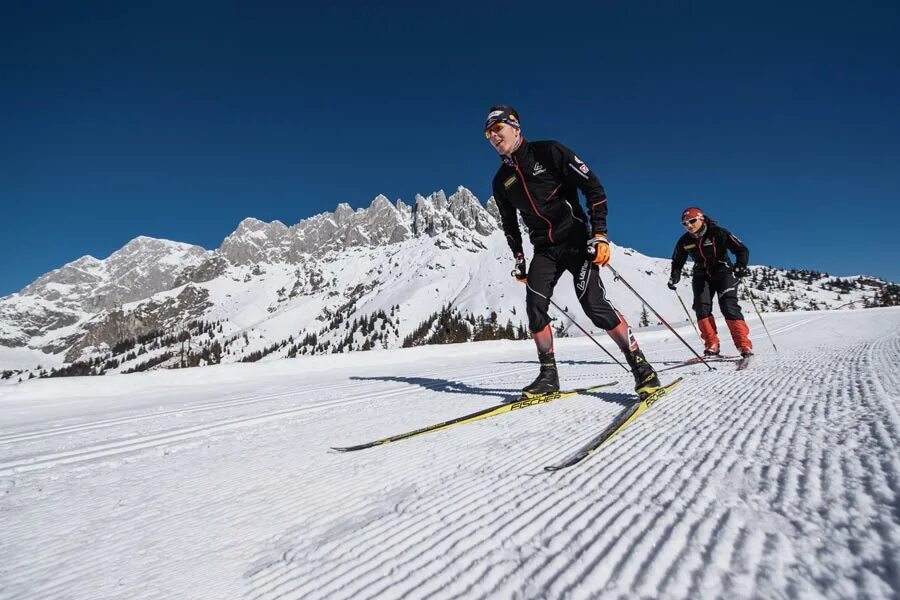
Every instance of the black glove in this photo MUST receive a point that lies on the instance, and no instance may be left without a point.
(674, 279)
(741, 271)
(519, 271)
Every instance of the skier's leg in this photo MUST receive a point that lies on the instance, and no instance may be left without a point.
(703, 310)
(592, 296)
(543, 273)
(727, 288)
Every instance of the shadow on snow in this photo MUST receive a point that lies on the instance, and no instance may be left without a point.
(506, 395)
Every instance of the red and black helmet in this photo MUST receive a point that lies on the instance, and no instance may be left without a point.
(691, 212)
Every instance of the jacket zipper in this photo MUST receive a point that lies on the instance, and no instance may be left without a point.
(700, 248)
(531, 200)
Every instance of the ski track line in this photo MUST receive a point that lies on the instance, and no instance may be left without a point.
(108, 449)
(105, 450)
(795, 324)
(718, 531)
(226, 403)
(78, 428)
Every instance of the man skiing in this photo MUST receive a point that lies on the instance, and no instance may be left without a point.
(540, 180)
(708, 244)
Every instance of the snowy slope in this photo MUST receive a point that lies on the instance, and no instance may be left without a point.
(779, 481)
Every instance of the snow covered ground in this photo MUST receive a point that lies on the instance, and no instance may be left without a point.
(779, 481)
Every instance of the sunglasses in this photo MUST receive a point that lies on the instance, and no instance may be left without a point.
(495, 128)
(690, 221)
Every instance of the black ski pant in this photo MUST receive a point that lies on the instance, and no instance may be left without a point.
(725, 285)
(547, 266)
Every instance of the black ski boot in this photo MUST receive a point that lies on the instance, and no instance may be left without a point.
(547, 381)
(710, 353)
(645, 379)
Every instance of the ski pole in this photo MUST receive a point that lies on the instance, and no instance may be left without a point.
(583, 330)
(659, 316)
(687, 312)
(758, 314)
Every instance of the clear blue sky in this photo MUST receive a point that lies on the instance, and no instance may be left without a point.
(177, 120)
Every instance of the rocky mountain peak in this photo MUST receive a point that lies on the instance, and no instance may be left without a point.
(466, 208)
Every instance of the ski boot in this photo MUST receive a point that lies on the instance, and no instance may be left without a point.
(547, 381)
(712, 352)
(645, 379)
(745, 352)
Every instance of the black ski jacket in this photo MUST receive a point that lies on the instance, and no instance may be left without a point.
(541, 181)
(709, 251)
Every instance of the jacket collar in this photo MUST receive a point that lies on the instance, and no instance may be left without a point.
(700, 232)
(517, 154)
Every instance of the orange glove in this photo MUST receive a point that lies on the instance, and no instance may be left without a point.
(598, 249)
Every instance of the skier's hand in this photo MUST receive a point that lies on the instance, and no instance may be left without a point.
(673, 280)
(519, 271)
(741, 271)
(598, 249)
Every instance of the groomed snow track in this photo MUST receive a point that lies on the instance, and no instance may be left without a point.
(782, 480)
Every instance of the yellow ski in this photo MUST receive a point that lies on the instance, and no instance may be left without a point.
(492, 411)
(624, 419)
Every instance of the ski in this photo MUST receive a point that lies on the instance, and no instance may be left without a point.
(743, 363)
(623, 420)
(491, 411)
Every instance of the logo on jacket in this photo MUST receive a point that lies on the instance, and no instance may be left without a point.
(509, 182)
(708, 242)
(538, 168)
(581, 166)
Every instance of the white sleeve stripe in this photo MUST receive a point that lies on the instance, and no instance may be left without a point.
(577, 170)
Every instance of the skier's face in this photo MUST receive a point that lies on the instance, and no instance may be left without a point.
(503, 137)
(693, 225)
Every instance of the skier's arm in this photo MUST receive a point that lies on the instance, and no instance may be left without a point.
(509, 219)
(679, 257)
(741, 252)
(576, 173)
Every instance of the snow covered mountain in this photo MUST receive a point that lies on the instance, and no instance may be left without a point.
(380, 277)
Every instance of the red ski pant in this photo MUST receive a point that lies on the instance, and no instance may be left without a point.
(725, 286)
